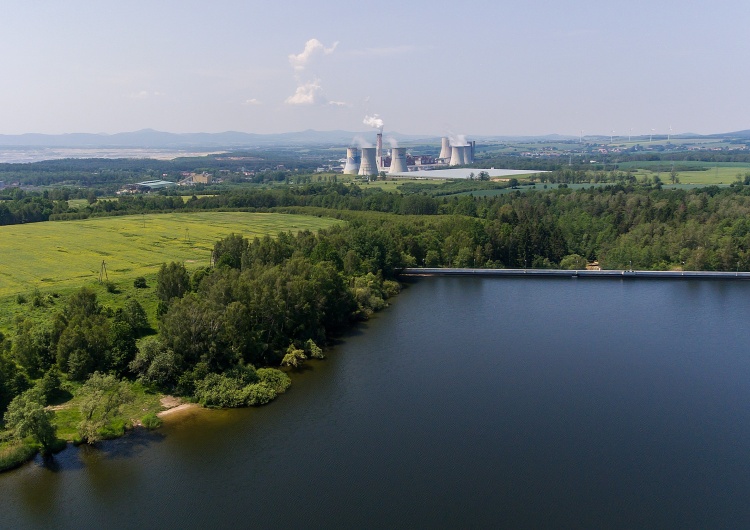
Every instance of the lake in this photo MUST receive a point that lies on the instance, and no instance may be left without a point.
(470, 402)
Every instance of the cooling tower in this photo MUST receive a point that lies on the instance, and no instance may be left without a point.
(457, 155)
(445, 150)
(398, 160)
(468, 158)
(352, 161)
(369, 165)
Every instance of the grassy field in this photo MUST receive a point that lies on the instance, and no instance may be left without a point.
(691, 172)
(59, 255)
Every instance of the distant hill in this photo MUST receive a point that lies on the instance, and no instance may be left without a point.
(149, 138)
(736, 134)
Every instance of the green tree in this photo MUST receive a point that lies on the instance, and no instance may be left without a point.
(294, 357)
(102, 397)
(26, 416)
(172, 281)
(228, 251)
(134, 315)
(573, 262)
(82, 303)
(12, 381)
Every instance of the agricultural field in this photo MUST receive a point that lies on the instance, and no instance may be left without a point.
(68, 254)
(690, 172)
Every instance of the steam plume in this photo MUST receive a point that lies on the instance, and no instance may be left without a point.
(373, 121)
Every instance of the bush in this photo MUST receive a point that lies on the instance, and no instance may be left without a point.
(114, 429)
(21, 299)
(241, 386)
(151, 421)
(258, 394)
(140, 283)
(274, 379)
(37, 300)
(219, 390)
(111, 287)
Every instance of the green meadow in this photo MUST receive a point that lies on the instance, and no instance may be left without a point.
(690, 172)
(67, 254)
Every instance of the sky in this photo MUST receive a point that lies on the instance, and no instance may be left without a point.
(497, 67)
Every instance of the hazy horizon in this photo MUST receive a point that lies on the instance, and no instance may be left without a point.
(481, 68)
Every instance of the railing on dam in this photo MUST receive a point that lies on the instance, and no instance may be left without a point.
(555, 273)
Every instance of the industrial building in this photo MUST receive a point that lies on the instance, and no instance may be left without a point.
(369, 161)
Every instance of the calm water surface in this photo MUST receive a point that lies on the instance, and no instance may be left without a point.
(469, 403)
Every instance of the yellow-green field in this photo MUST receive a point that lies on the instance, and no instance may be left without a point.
(62, 255)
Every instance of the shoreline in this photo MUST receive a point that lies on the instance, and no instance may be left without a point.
(178, 408)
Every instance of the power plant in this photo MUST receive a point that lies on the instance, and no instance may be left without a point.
(369, 165)
(352, 161)
(373, 161)
(445, 149)
(462, 155)
(398, 160)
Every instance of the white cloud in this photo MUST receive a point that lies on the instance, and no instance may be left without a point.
(252, 101)
(312, 47)
(310, 93)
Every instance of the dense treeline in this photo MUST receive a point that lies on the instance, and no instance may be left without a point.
(619, 224)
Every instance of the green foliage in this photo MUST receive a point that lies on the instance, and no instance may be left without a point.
(140, 283)
(26, 416)
(155, 365)
(83, 346)
(294, 357)
(15, 453)
(101, 399)
(274, 379)
(12, 381)
(172, 282)
(81, 304)
(241, 386)
(31, 348)
(134, 315)
(313, 350)
(228, 251)
(371, 292)
(258, 394)
(50, 386)
(151, 421)
(573, 262)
